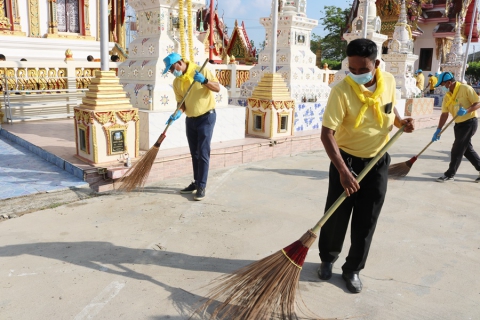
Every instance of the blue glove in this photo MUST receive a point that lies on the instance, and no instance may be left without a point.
(436, 135)
(174, 116)
(461, 112)
(199, 77)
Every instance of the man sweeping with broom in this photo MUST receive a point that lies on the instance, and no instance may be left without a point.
(359, 116)
(462, 102)
(199, 107)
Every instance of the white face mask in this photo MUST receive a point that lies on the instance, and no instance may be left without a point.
(361, 78)
(443, 89)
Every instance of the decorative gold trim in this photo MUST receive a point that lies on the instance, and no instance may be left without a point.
(69, 36)
(52, 17)
(86, 14)
(137, 138)
(129, 115)
(4, 21)
(33, 21)
(105, 117)
(95, 144)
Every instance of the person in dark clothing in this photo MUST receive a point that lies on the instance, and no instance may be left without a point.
(358, 118)
(462, 101)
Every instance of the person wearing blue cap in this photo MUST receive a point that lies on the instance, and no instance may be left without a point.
(199, 108)
(462, 101)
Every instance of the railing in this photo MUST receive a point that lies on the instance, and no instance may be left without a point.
(232, 73)
(42, 86)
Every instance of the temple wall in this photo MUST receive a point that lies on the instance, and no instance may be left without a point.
(427, 41)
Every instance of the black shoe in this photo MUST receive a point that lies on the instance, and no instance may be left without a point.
(445, 179)
(190, 189)
(200, 194)
(354, 285)
(325, 270)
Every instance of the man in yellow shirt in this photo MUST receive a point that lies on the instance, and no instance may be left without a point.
(432, 81)
(420, 80)
(199, 107)
(462, 101)
(358, 118)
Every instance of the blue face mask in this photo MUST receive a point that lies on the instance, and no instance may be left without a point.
(443, 89)
(361, 78)
(177, 73)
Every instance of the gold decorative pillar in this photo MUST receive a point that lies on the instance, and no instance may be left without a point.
(17, 27)
(52, 17)
(33, 13)
(86, 14)
(4, 21)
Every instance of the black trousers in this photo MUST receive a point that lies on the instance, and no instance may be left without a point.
(364, 207)
(462, 146)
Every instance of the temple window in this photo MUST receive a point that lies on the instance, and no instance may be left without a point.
(68, 16)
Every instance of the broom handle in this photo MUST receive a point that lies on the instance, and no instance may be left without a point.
(362, 174)
(444, 128)
(162, 136)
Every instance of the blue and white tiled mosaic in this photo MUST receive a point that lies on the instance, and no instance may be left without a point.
(309, 116)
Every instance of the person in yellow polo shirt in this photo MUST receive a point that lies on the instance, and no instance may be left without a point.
(199, 107)
(359, 115)
(432, 81)
(462, 101)
(420, 80)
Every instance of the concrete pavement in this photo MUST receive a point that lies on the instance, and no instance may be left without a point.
(148, 255)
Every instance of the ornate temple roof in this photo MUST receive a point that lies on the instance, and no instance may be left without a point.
(441, 12)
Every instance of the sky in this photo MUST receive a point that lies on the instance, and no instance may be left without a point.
(250, 11)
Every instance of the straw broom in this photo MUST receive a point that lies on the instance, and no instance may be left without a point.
(137, 175)
(399, 170)
(267, 288)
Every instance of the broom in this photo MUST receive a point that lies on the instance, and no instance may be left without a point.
(267, 288)
(137, 175)
(399, 170)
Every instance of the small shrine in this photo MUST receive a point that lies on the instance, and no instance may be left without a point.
(374, 26)
(106, 124)
(456, 57)
(400, 60)
(270, 108)
(295, 63)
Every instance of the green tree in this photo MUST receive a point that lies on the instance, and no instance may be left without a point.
(473, 71)
(334, 21)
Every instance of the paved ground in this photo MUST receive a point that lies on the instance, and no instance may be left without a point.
(148, 255)
(24, 173)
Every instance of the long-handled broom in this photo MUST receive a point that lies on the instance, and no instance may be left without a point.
(137, 175)
(399, 170)
(267, 288)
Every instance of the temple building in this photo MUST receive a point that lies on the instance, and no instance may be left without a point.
(432, 25)
(34, 29)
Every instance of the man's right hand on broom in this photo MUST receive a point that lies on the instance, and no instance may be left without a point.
(177, 114)
(436, 135)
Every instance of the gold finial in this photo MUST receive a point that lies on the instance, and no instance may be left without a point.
(68, 54)
(325, 66)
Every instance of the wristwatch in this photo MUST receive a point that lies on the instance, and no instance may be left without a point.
(205, 82)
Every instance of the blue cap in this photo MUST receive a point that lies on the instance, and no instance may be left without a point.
(430, 74)
(170, 60)
(444, 76)
(419, 70)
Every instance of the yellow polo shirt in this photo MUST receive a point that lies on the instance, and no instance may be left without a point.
(420, 81)
(200, 99)
(432, 81)
(466, 96)
(341, 112)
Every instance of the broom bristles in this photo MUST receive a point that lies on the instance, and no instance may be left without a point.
(400, 170)
(137, 175)
(263, 289)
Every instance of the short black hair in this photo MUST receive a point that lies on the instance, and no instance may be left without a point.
(115, 58)
(364, 48)
(90, 58)
(2, 57)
